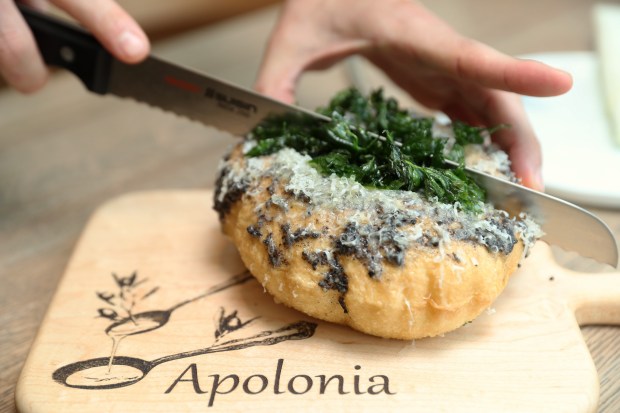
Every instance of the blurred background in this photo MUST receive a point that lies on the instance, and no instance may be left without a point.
(513, 27)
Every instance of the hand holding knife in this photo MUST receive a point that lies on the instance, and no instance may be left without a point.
(228, 107)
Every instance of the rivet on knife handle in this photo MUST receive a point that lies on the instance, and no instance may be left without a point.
(70, 48)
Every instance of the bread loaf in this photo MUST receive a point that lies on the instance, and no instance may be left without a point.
(391, 263)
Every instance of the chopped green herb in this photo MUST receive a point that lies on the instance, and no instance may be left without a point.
(378, 144)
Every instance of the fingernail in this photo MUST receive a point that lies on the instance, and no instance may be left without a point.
(131, 45)
(537, 180)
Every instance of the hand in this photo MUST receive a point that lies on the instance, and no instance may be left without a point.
(438, 67)
(20, 62)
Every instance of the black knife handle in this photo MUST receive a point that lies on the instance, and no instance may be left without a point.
(70, 47)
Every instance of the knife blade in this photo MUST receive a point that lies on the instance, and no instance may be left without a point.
(176, 89)
(237, 110)
(565, 225)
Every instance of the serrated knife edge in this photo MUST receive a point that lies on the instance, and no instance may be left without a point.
(228, 107)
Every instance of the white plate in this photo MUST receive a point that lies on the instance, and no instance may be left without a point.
(581, 160)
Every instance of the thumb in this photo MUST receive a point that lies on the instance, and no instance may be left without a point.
(519, 140)
(279, 72)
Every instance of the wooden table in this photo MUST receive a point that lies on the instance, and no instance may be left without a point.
(63, 152)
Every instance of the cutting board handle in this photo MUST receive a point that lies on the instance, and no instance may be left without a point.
(594, 298)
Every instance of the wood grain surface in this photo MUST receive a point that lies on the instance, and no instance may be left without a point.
(156, 313)
(64, 152)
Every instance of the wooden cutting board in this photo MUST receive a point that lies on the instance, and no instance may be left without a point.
(154, 283)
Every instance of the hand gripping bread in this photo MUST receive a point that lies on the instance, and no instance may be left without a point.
(390, 263)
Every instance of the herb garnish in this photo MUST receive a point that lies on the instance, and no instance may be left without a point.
(380, 145)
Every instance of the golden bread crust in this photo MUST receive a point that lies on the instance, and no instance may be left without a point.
(435, 289)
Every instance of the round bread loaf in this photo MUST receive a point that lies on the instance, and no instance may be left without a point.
(389, 263)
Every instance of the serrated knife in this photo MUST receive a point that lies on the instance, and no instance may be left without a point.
(237, 110)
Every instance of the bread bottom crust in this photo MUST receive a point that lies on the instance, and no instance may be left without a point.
(435, 290)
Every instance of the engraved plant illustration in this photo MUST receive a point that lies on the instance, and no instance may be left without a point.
(125, 300)
(121, 309)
